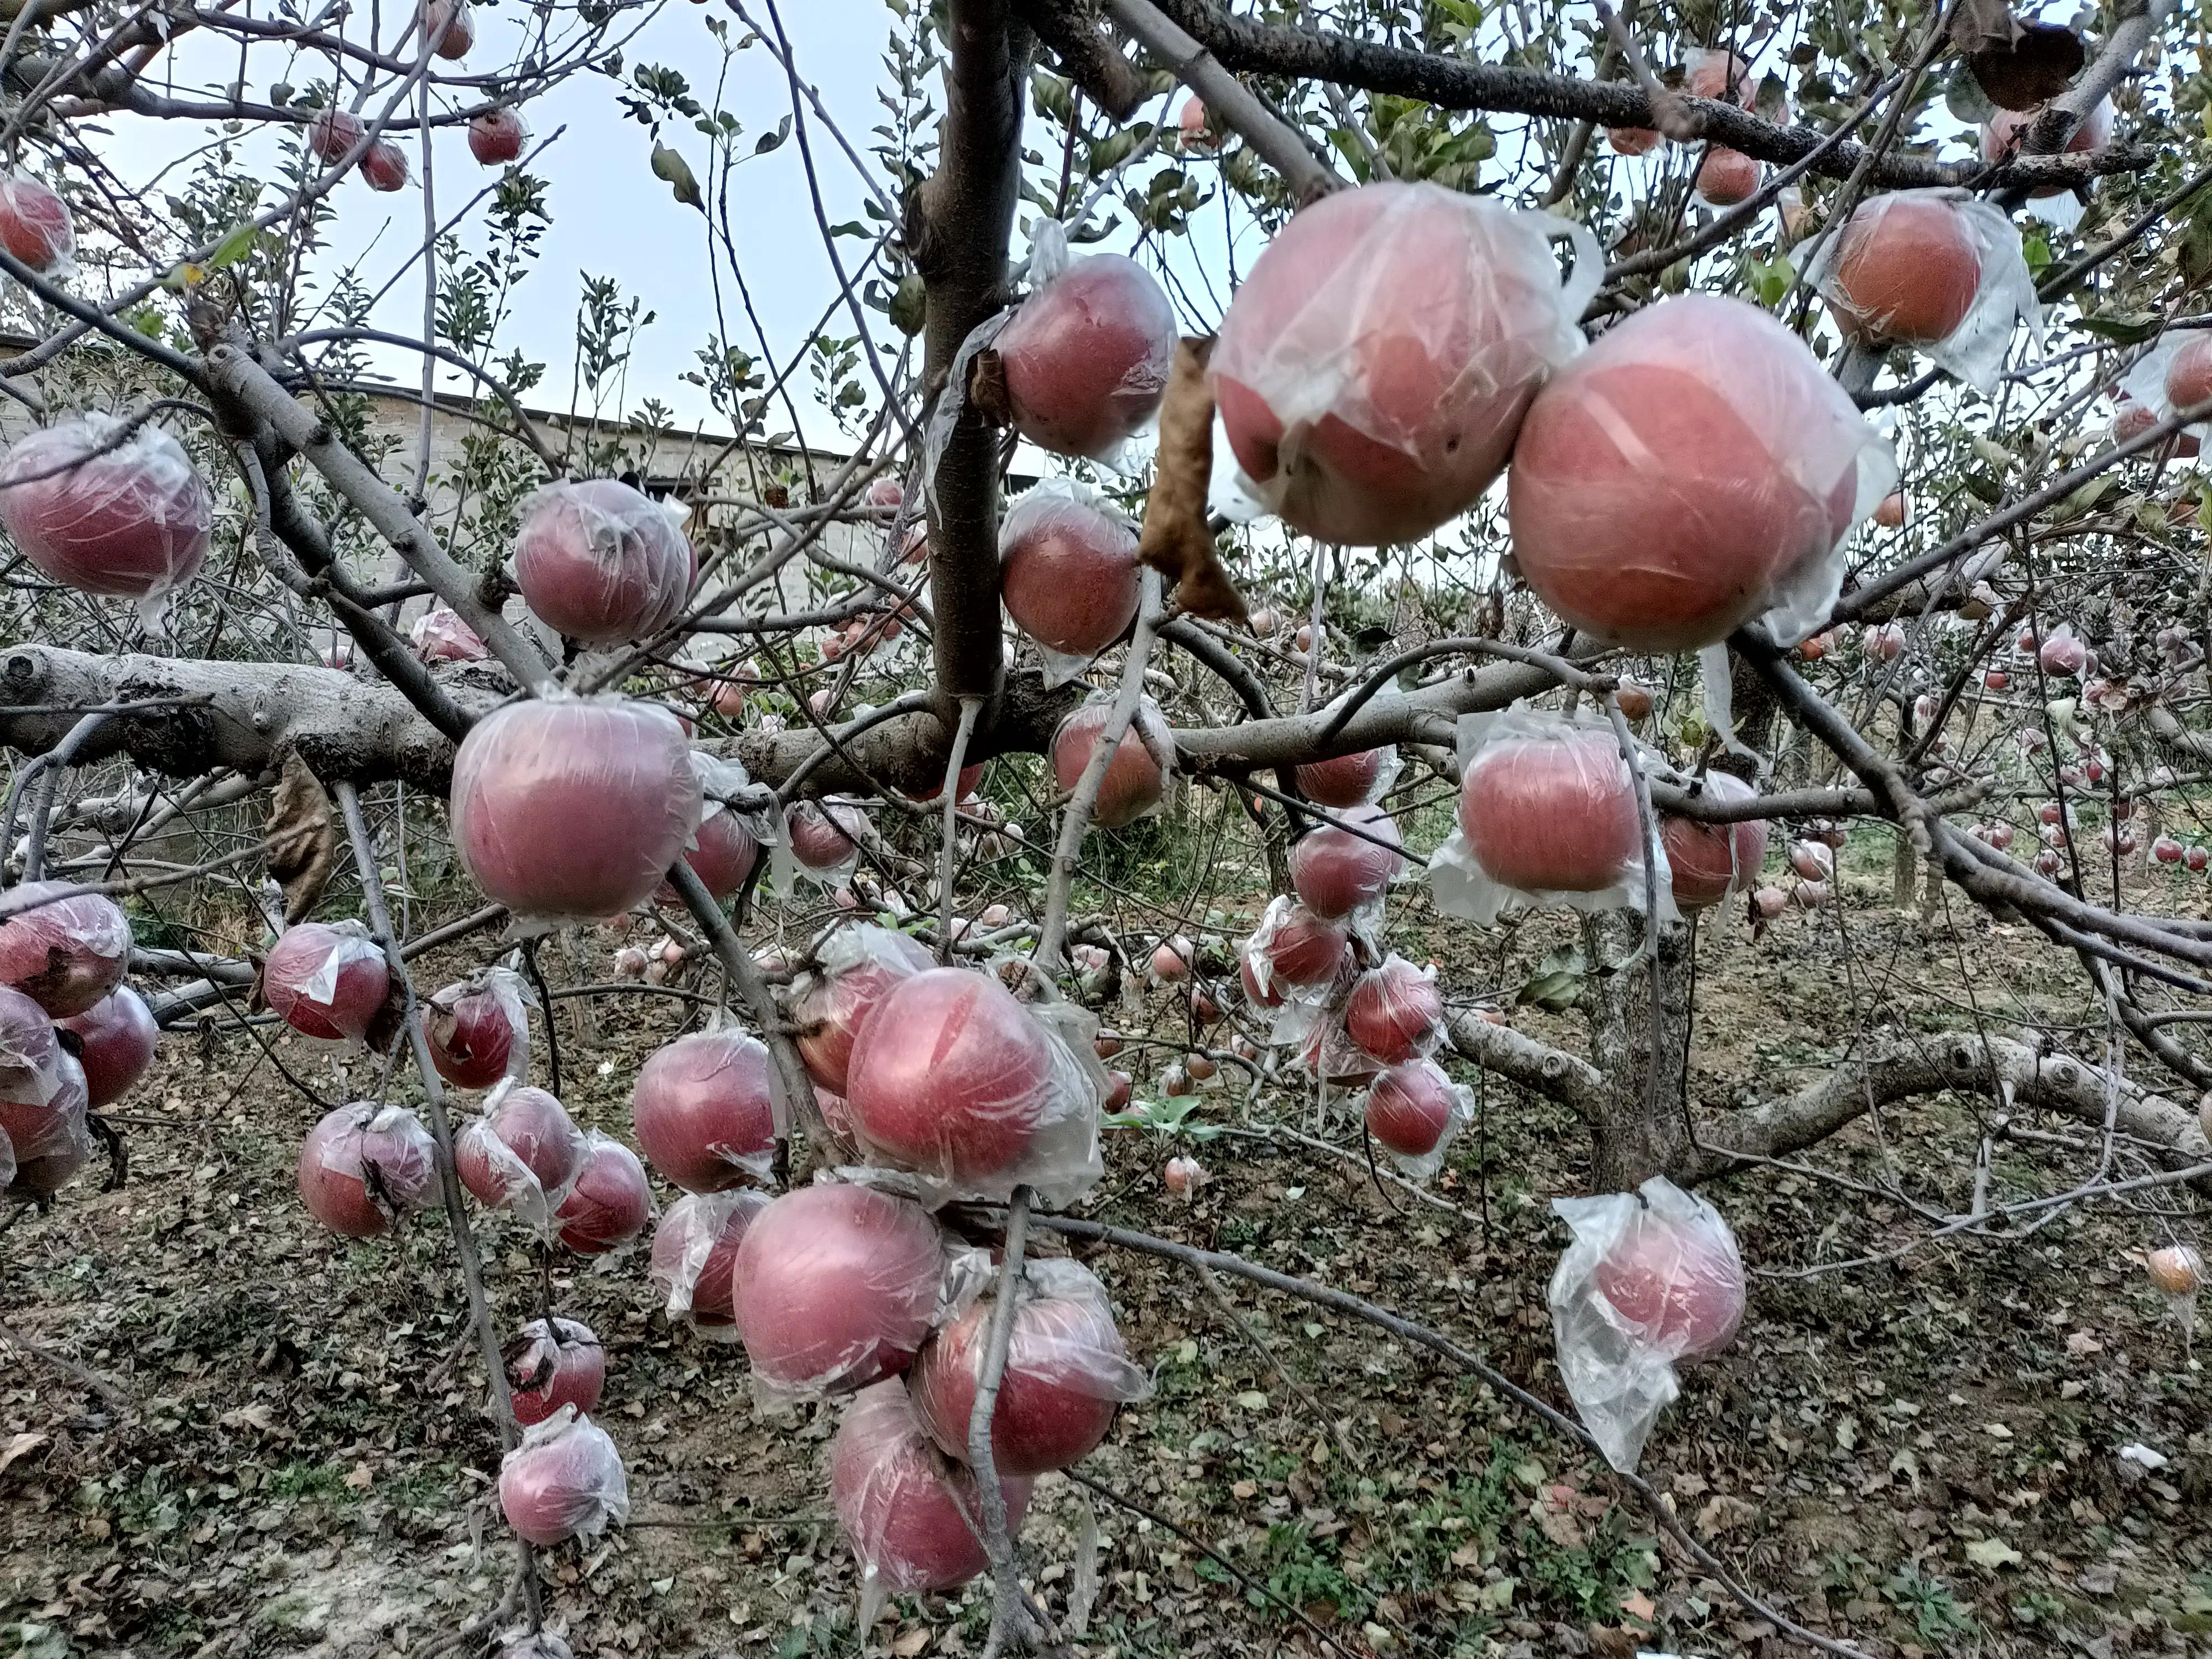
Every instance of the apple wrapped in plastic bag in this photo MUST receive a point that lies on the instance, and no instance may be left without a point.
(1651, 1283)
(1548, 820)
(1940, 270)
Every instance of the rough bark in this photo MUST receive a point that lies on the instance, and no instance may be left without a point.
(958, 226)
(1641, 1125)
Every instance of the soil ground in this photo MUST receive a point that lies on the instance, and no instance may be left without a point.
(224, 1433)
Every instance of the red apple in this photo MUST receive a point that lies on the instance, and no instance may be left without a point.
(723, 857)
(1086, 357)
(836, 1286)
(824, 836)
(695, 1256)
(951, 1077)
(326, 982)
(1727, 177)
(573, 808)
(1067, 570)
(1183, 1176)
(35, 225)
(1172, 957)
(524, 1137)
(1066, 1371)
(2166, 850)
(477, 1032)
(609, 1203)
(42, 1104)
(130, 523)
(450, 26)
(1394, 1012)
(1631, 141)
(1345, 781)
(1117, 1099)
(1885, 643)
(1889, 511)
(704, 1109)
(385, 166)
(1295, 947)
(497, 136)
(1191, 123)
(1679, 1285)
(1336, 873)
(1908, 265)
(439, 636)
(1133, 784)
(1376, 363)
(1708, 862)
(1550, 814)
(364, 1165)
(119, 1036)
(552, 1366)
(1670, 482)
(1410, 1108)
(600, 561)
(565, 1480)
(860, 967)
(65, 949)
(30, 1054)
(1270, 996)
(2062, 653)
(907, 1529)
(333, 133)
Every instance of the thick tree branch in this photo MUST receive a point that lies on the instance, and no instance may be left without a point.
(1536, 1067)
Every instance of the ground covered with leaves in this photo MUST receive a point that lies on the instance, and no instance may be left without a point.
(223, 1431)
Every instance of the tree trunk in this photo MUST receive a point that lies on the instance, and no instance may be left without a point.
(1903, 873)
(1638, 1123)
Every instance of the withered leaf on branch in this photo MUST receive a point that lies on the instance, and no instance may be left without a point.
(303, 839)
(2032, 68)
(1978, 25)
(1177, 541)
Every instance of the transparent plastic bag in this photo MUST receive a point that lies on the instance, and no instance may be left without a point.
(707, 1110)
(327, 980)
(38, 229)
(1414, 1113)
(551, 1363)
(910, 1530)
(129, 519)
(1350, 780)
(1067, 1369)
(478, 1029)
(860, 964)
(1695, 468)
(1394, 1012)
(2144, 385)
(1548, 818)
(63, 948)
(973, 1093)
(1068, 574)
(1375, 365)
(1339, 873)
(1295, 955)
(695, 1257)
(1708, 862)
(441, 635)
(837, 1284)
(569, 809)
(1086, 355)
(2057, 205)
(599, 562)
(1136, 781)
(30, 1053)
(1325, 1049)
(565, 1480)
(524, 1154)
(366, 1165)
(1652, 1282)
(48, 1136)
(1940, 271)
(7, 1160)
(823, 839)
(737, 819)
(609, 1202)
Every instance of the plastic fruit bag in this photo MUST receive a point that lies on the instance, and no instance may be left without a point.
(2057, 205)
(695, 1256)
(478, 1029)
(821, 839)
(860, 964)
(1086, 355)
(1339, 872)
(1695, 468)
(1940, 271)
(63, 948)
(1707, 862)
(1652, 1282)
(126, 517)
(599, 562)
(1394, 1012)
(1374, 367)
(1295, 955)
(1136, 780)
(913, 1521)
(2147, 387)
(364, 1166)
(1414, 1113)
(439, 636)
(707, 1110)
(1067, 1369)
(1068, 574)
(565, 1480)
(1548, 817)
(49, 1141)
(973, 1093)
(524, 1154)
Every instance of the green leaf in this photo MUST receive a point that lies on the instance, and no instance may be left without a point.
(2124, 329)
(669, 164)
(234, 247)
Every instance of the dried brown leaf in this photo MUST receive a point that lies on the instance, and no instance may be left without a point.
(303, 840)
(1178, 541)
